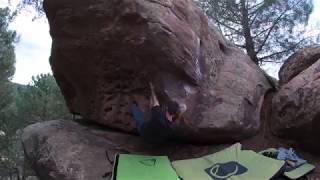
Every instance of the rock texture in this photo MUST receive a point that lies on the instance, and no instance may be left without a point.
(296, 109)
(298, 62)
(104, 53)
(65, 150)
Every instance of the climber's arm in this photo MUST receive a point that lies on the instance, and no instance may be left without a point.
(154, 99)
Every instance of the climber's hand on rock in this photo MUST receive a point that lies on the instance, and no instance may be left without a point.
(151, 86)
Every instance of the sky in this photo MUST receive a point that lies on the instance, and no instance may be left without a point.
(313, 29)
(33, 49)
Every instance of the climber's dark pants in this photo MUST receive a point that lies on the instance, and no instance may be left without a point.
(137, 116)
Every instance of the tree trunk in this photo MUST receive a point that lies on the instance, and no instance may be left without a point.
(247, 33)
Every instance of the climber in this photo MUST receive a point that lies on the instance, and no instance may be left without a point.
(163, 120)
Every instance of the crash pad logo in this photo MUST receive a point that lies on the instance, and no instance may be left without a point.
(148, 162)
(223, 171)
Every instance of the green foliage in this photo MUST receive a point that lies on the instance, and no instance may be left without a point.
(36, 4)
(42, 100)
(5, 95)
(7, 57)
(21, 105)
(269, 30)
(7, 38)
(7, 61)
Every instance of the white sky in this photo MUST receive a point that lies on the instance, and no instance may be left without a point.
(33, 49)
(313, 29)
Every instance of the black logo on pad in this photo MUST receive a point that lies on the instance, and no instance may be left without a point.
(223, 171)
(148, 162)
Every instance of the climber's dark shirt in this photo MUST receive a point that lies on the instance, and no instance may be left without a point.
(159, 128)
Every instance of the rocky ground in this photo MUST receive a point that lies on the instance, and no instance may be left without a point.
(65, 149)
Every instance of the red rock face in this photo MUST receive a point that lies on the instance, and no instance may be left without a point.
(104, 53)
(298, 62)
(296, 109)
(64, 149)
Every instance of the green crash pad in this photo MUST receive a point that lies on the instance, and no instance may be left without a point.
(300, 171)
(140, 167)
(232, 163)
(294, 173)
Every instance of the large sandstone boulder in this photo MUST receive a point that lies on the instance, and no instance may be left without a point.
(296, 109)
(104, 53)
(65, 150)
(298, 62)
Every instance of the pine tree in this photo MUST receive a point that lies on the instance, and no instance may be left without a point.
(7, 57)
(269, 30)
